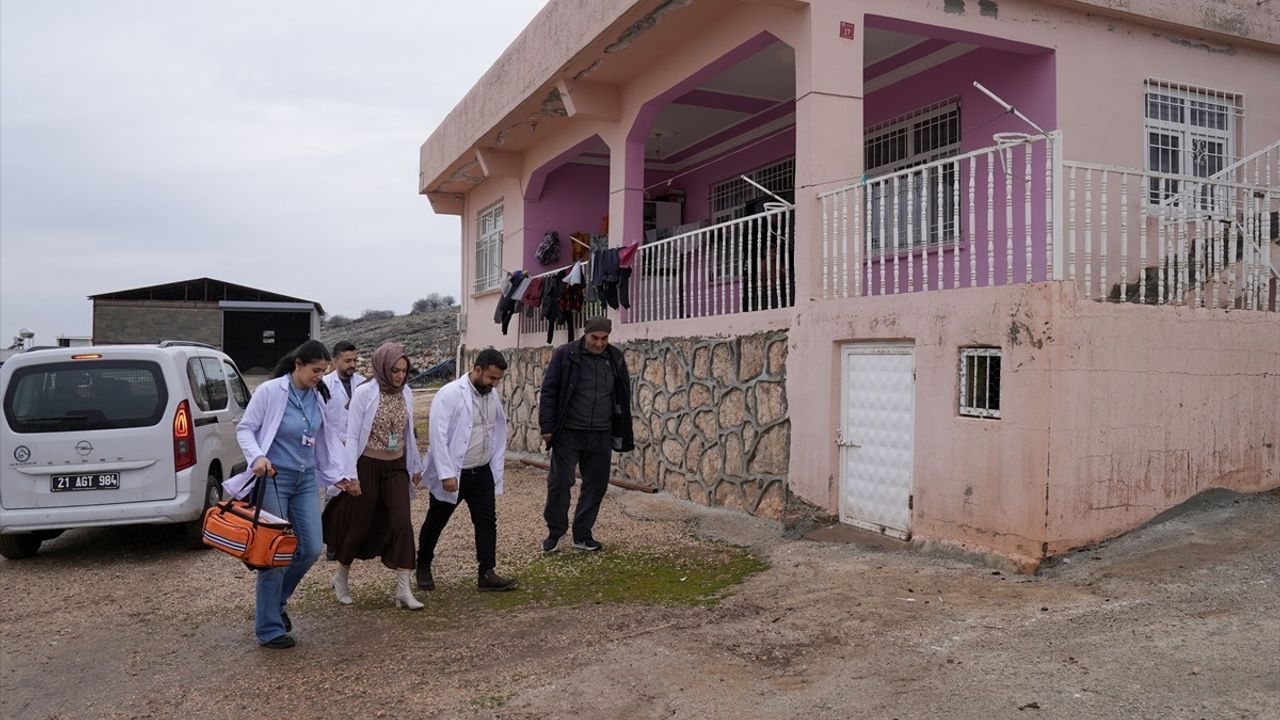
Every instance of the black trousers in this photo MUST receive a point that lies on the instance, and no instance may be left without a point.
(590, 452)
(475, 487)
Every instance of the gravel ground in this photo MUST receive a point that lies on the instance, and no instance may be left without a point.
(1178, 620)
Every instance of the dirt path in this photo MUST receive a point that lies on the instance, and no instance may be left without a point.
(1179, 620)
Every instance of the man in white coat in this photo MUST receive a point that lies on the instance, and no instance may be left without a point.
(465, 462)
(343, 379)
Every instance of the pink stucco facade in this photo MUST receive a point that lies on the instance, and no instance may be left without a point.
(1114, 412)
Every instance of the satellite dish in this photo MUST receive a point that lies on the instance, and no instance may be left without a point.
(25, 334)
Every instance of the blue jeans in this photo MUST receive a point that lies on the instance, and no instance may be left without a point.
(293, 496)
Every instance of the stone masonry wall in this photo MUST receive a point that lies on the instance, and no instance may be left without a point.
(711, 417)
(150, 322)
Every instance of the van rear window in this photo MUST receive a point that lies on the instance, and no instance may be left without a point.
(85, 395)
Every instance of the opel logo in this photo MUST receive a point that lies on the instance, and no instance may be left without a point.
(22, 453)
(84, 447)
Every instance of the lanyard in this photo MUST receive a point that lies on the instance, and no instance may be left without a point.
(301, 401)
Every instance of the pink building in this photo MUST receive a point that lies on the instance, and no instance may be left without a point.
(865, 290)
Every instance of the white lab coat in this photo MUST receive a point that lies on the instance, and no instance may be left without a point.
(257, 430)
(338, 392)
(450, 435)
(364, 405)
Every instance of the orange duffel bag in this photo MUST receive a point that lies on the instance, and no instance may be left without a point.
(241, 529)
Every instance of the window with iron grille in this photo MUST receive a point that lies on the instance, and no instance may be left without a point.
(726, 197)
(980, 382)
(489, 247)
(920, 137)
(1189, 131)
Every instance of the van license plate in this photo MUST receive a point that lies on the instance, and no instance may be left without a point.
(86, 481)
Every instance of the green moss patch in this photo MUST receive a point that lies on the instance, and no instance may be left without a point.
(692, 576)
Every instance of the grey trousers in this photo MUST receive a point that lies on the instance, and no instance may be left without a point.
(590, 453)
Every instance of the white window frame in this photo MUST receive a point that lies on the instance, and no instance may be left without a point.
(925, 204)
(974, 403)
(489, 247)
(1186, 158)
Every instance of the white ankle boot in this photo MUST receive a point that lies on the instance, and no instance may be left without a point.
(340, 589)
(404, 596)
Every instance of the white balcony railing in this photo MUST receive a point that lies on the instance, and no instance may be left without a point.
(733, 267)
(1161, 239)
(979, 219)
(1017, 212)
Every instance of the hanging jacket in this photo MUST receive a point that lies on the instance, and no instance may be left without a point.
(507, 302)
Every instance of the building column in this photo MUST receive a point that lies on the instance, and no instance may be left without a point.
(829, 132)
(829, 137)
(626, 188)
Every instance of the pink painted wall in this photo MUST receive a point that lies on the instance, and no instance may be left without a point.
(1152, 405)
(1110, 414)
(575, 198)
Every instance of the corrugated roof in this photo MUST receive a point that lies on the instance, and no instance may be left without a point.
(202, 290)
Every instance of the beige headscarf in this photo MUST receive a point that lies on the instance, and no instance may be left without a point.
(384, 358)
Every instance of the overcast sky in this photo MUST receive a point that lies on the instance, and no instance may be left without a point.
(271, 144)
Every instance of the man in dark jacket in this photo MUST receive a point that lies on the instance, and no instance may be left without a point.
(584, 415)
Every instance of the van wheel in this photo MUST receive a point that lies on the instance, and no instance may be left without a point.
(195, 529)
(17, 547)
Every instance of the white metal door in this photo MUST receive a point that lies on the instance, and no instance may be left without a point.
(877, 418)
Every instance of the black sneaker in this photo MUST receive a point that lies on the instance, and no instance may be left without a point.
(493, 582)
(549, 545)
(590, 545)
(280, 642)
(425, 581)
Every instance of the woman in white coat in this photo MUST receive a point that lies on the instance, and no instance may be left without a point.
(370, 516)
(291, 443)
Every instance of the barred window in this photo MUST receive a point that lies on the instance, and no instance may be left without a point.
(729, 195)
(489, 247)
(917, 138)
(980, 382)
(1189, 131)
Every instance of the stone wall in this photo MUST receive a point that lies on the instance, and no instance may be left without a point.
(711, 417)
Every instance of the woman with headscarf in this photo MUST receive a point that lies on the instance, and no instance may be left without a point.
(369, 517)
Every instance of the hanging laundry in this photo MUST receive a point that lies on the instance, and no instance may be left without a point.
(532, 297)
(506, 302)
(555, 307)
(548, 250)
(575, 276)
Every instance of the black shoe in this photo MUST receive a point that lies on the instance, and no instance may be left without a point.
(493, 582)
(425, 581)
(589, 545)
(288, 624)
(280, 642)
(549, 545)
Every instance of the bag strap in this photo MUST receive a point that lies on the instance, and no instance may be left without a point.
(259, 492)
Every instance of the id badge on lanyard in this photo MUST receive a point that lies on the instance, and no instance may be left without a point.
(393, 442)
(308, 440)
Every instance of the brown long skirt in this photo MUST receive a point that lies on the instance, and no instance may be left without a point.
(376, 522)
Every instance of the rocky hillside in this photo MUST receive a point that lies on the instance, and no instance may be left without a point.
(429, 337)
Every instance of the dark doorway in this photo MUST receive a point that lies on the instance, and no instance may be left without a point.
(256, 340)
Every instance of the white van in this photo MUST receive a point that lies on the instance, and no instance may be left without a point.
(115, 435)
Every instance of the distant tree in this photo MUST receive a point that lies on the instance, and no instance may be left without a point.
(377, 314)
(434, 301)
(337, 321)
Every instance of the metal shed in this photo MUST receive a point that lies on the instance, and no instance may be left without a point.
(255, 327)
